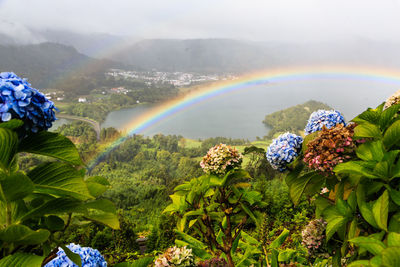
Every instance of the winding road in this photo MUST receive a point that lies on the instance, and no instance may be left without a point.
(93, 123)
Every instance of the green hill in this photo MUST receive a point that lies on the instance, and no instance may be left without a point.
(292, 119)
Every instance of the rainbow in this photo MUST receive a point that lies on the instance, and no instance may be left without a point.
(191, 98)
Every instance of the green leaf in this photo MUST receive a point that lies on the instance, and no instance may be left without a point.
(8, 147)
(142, 262)
(367, 130)
(387, 116)
(380, 210)
(12, 124)
(235, 176)
(97, 185)
(394, 223)
(51, 207)
(391, 257)
(360, 263)
(298, 186)
(373, 245)
(365, 209)
(393, 239)
(333, 225)
(279, 240)
(109, 219)
(394, 195)
(21, 260)
(14, 187)
(193, 242)
(59, 179)
(354, 167)
(370, 115)
(52, 145)
(371, 151)
(75, 258)
(54, 223)
(392, 135)
(100, 204)
(21, 234)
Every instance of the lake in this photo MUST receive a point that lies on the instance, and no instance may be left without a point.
(239, 114)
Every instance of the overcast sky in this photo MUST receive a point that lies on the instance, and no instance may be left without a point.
(258, 20)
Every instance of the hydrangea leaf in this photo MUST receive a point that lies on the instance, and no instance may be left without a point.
(391, 256)
(392, 135)
(298, 186)
(15, 187)
(59, 179)
(52, 145)
(373, 245)
(21, 234)
(387, 116)
(74, 257)
(8, 147)
(12, 124)
(380, 210)
(22, 260)
(371, 151)
(367, 130)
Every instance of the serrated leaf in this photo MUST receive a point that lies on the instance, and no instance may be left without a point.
(52, 145)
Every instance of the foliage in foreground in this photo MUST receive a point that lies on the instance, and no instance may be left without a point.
(360, 202)
(36, 206)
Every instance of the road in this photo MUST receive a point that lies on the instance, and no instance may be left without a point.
(93, 123)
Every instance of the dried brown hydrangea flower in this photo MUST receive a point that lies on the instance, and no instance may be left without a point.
(330, 147)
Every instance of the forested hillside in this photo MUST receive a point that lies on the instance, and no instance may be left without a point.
(292, 119)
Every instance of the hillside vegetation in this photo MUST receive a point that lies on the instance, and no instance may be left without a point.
(292, 119)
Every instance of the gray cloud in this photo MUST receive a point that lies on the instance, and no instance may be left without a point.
(259, 20)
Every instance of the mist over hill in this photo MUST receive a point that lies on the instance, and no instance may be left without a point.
(46, 64)
(226, 55)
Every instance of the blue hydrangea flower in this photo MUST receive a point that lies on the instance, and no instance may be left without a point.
(90, 257)
(18, 100)
(283, 150)
(320, 118)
